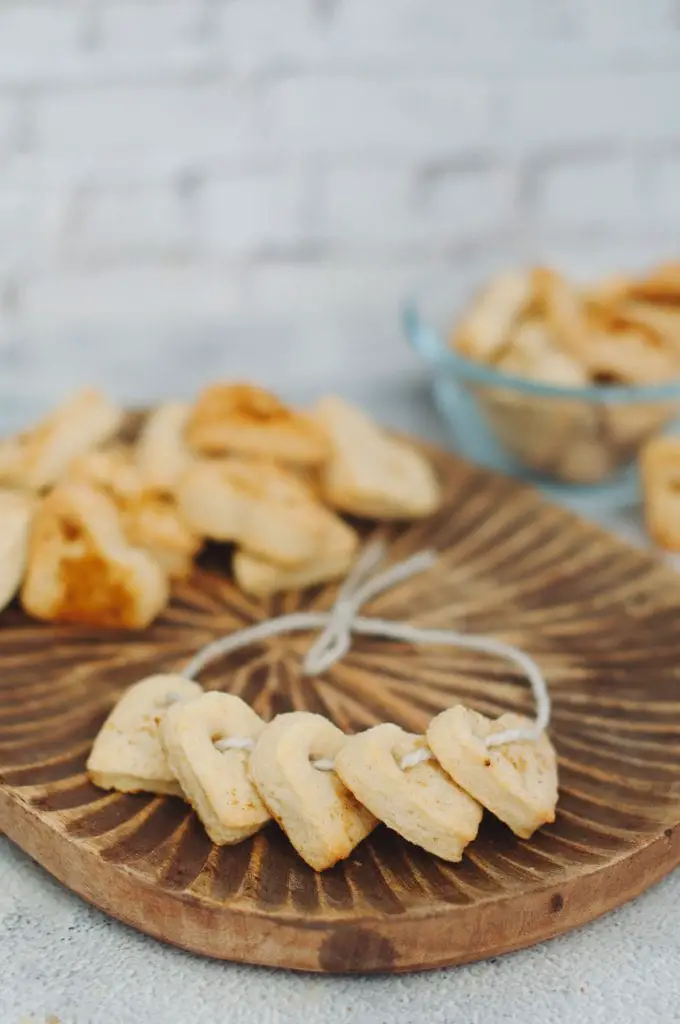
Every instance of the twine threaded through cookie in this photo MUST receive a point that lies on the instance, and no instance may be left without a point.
(343, 620)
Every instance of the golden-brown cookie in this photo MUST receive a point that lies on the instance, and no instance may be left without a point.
(264, 508)
(565, 314)
(81, 567)
(662, 285)
(423, 804)
(662, 321)
(369, 473)
(626, 354)
(149, 517)
(127, 754)
(517, 781)
(482, 333)
(112, 470)
(38, 457)
(155, 524)
(320, 816)
(214, 779)
(243, 419)
(533, 353)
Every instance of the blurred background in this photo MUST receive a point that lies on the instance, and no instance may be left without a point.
(252, 187)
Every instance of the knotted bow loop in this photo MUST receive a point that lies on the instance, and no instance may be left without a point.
(358, 589)
(338, 625)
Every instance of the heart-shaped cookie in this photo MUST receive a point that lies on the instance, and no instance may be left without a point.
(516, 781)
(149, 516)
(214, 776)
(320, 816)
(269, 511)
(40, 456)
(127, 754)
(155, 525)
(423, 804)
(243, 419)
(82, 568)
(369, 473)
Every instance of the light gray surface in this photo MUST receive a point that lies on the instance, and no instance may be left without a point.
(60, 957)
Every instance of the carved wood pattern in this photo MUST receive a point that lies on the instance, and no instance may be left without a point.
(601, 620)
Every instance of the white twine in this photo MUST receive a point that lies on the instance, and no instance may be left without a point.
(235, 743)
(343, 620)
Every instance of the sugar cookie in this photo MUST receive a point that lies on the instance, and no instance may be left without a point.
(267, 510)
(320, 816)
(370, 473)
(483, 331)
(215, 781)
(423, 804)
(517, 781)
(38, 457)
(82, 568)
(245, 419)
(127, 754)
(155, 524)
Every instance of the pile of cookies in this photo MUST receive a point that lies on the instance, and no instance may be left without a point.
(326, 790)
(537, 325)
(95, 528)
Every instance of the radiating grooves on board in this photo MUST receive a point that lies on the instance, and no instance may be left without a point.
(601, 621)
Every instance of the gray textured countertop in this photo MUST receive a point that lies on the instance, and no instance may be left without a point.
(61, 959)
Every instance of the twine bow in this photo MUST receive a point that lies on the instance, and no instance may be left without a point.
(343, 620)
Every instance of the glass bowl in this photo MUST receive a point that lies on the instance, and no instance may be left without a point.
(580, 444)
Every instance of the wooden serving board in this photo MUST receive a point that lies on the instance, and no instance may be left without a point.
(601, 620)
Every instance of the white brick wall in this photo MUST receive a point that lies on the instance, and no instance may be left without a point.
(386, 210)
(189, 186)
(589, 191)
(254, 213)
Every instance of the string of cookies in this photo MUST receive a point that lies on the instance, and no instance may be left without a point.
(96, 529)
(327, 790)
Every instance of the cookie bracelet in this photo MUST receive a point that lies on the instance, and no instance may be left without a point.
(325, 789)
